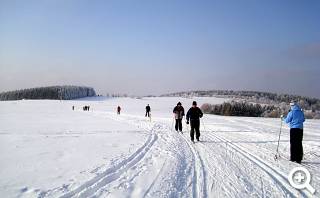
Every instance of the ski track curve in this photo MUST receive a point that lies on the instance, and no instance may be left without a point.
(200, 182)
(185, 169)
(197, 171)
(277, 176)
(92, 186)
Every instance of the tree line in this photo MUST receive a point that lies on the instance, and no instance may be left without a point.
(311, 105)
(253, 95)
(247, 109)
(66, 92)
(242, 109)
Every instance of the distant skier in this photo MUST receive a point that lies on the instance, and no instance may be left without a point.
(88, 108)
(72, 108)
(194, 114)
(295, 118)
(118, 110)
(178, 114)
(148, 110)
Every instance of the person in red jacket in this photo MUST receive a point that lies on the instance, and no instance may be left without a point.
(118, 110)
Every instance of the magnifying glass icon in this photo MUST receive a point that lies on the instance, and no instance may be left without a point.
(300, 178)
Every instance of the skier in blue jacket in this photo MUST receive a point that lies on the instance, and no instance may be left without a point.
(295, 119)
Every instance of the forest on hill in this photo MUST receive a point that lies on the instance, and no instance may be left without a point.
(66, 92)
(254, 103)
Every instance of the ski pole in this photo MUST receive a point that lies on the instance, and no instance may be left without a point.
(204, 128)
(172, 123)
(187, 128)
(277, 152)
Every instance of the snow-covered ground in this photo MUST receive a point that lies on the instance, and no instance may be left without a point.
(48, 150)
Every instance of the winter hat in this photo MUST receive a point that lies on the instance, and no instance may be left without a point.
(293, 102)
(179, 103)
(194, 103)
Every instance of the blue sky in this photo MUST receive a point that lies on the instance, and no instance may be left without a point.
(154, 47)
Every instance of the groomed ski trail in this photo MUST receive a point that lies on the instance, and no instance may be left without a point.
(200, 183)
(186, 169)
(280, 178)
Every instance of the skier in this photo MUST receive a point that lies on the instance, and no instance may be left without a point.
(72, 108)
(194, 114)
(295, 119)
(178, 114)
(118, 110)
(148, 109)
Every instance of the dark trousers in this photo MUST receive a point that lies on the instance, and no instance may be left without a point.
(195, 127)
(178, 124)
(148, 113)
(296, 149)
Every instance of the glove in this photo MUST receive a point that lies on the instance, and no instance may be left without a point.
(187, 122)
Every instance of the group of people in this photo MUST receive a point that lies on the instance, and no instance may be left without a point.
(148, 110)
(295, 119)
(193, 117)
(86, 108)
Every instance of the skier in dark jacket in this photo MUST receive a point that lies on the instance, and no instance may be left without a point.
(295, 118)
(178, 114)
(148, 109)
(194, 114)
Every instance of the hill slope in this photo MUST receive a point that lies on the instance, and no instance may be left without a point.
(55, 151)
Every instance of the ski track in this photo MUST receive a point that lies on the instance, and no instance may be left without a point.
(277, 176)
(191, 169)
(155, 180)
(199, 188)
(199, 184)
(92, 186)
(97, 185)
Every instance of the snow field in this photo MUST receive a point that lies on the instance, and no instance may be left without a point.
(48, 150)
